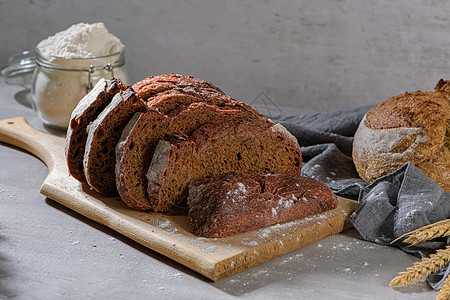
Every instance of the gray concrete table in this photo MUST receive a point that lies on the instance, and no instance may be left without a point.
(50, 252)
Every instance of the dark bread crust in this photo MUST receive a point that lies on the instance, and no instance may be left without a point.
(153, 85)
(426, 110)
(236, 202)
(189, 117)
(180, 90)
(86, 111)
(215, 148)
(412, 127)
(443, 88)
(103, 135)
(138, 146)
(185, 96)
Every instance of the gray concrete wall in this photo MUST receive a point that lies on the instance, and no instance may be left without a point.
(305, 54)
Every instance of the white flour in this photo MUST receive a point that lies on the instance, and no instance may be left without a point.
(56, 91)
(82, 41)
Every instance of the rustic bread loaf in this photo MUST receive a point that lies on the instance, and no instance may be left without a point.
(103, 135)
(86, 111)
(240, 201)
(215, 148)
(139, 139)
(412, 127)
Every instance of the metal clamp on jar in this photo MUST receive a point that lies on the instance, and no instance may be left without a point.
(58, 83)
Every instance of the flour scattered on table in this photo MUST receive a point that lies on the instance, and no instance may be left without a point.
(341, 246)
(177, 276)
(347, 270)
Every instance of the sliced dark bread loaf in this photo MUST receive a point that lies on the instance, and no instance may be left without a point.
(103, 135)
(240, 201)
(139, 140)
(113, 118)
(218, 147)
(86, 111)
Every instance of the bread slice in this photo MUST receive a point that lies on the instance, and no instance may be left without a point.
(133, 156)
(215, 148)
(86, 111)
(412, 127)
(240, 201)
(139, 140)
(100, 96)
(103, 135)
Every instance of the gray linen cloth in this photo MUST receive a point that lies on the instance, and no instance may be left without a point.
(389, 207)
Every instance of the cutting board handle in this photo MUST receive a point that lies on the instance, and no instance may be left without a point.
(17, 132)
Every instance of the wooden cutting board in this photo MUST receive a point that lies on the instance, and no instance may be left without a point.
(170, 235)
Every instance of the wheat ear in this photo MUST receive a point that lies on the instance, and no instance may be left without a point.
(425, 233)
(444, 292)
(423, 268)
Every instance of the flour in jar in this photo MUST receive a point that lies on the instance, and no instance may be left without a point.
(82, 41)
(61, 78)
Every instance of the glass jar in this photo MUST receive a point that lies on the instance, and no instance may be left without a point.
(59, 83)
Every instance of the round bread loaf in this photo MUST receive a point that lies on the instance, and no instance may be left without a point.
(412, 127)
